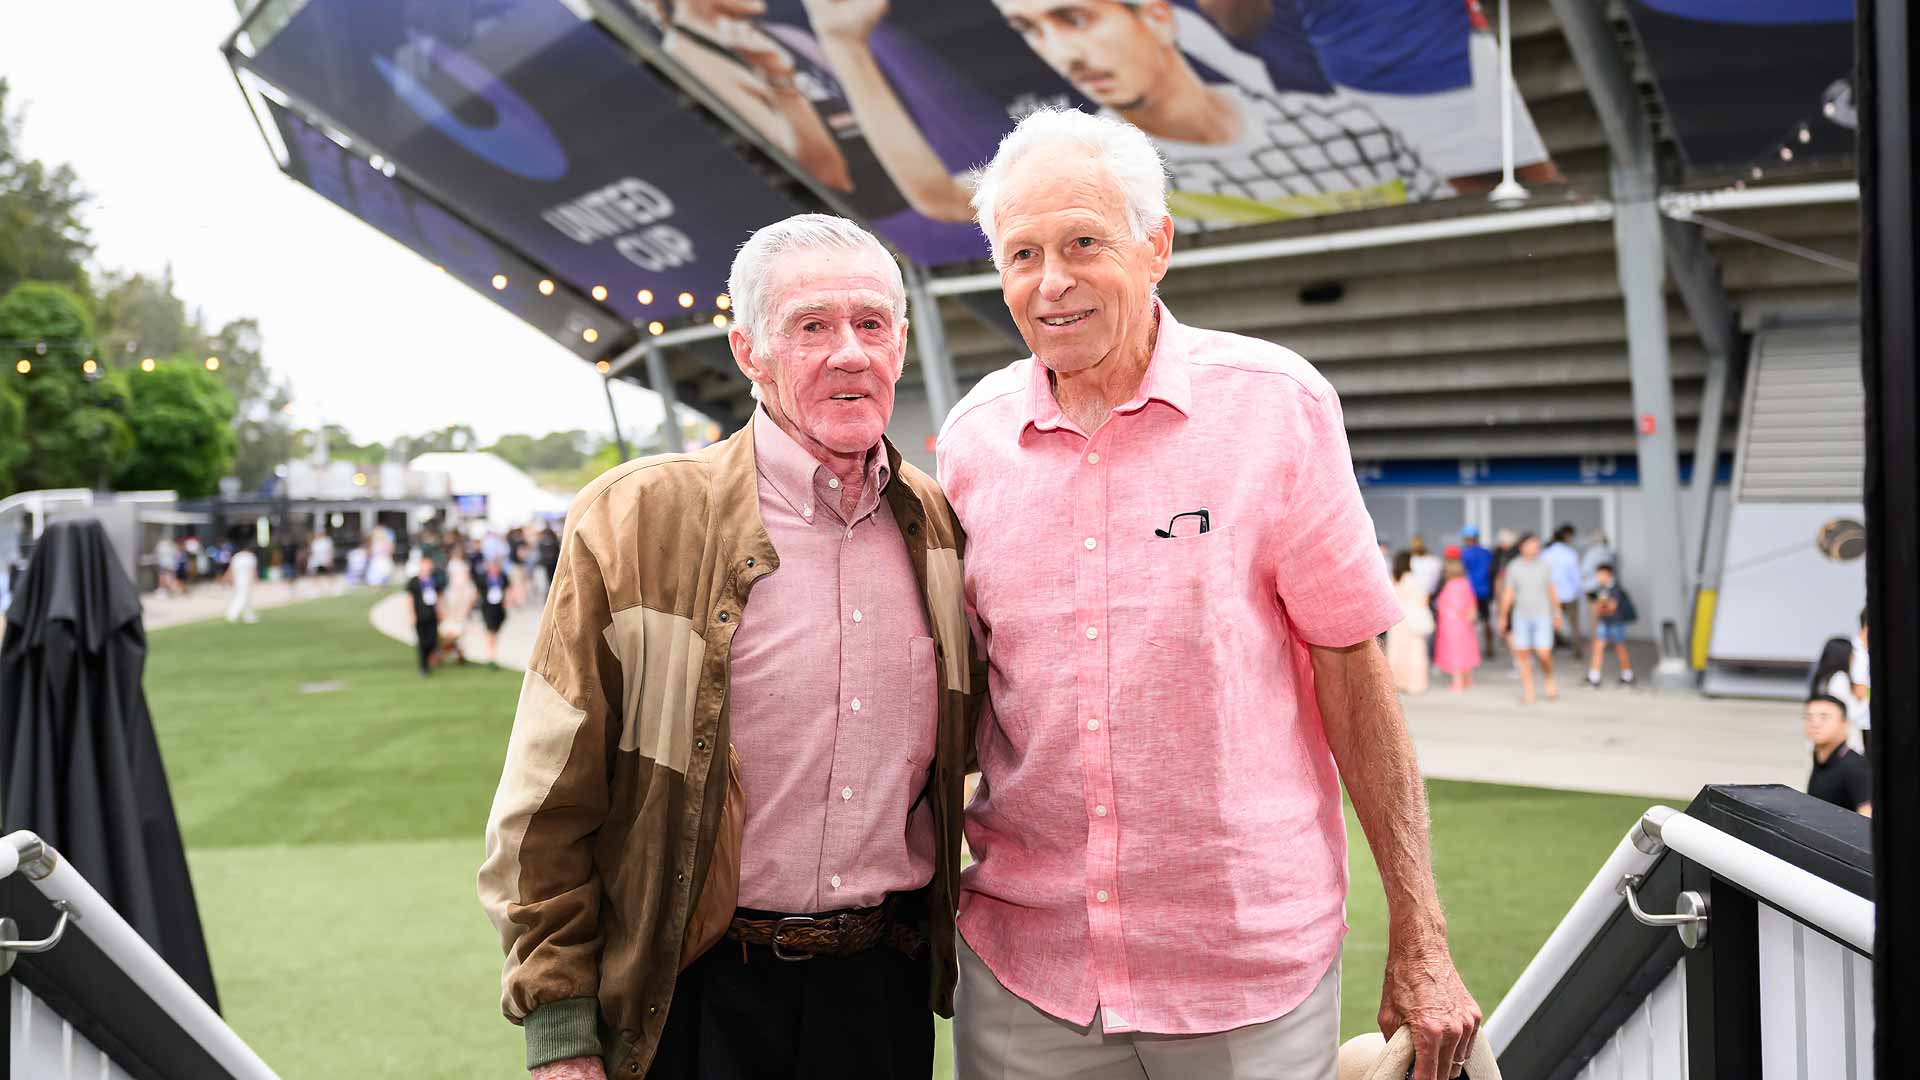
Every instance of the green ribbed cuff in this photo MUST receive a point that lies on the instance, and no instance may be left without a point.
(563, 1029)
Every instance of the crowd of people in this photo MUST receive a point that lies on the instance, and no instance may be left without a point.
(453, 576)
(1458, 603)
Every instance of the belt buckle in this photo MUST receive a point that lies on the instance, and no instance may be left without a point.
(782, 925)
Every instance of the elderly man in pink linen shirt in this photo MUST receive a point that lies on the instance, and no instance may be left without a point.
(1176, 585)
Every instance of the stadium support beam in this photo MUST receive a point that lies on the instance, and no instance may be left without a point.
(619, 437)
(930, 341)
(662, 384)
(1639, 249)
(1698, 280)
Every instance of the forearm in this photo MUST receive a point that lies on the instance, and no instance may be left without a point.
(895, 139)
(814, 148)
(1369, 740)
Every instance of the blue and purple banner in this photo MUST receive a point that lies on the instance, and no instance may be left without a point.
(352, 183)
(1265, 111)
(541, 130)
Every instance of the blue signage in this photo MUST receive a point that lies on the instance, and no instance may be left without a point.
(352, 183)
(1601, 470)
(541, 130)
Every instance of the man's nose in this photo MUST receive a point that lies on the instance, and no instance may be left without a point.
(847, 354)
(1056, 281)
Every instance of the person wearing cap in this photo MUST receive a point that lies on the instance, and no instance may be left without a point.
(1176, 585)
(1478, 563)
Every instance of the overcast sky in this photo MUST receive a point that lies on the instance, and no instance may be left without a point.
(138, 99)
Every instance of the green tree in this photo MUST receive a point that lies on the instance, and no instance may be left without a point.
(41, 235)
(558, 450)
(76, 424)
(454, 439)
(182, 416)
(13, 433)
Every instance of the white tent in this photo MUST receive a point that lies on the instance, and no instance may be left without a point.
(512, 496)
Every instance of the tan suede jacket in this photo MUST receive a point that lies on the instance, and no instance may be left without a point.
(607, 833)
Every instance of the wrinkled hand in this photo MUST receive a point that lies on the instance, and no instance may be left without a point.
(852, 20)
(580, 1068)
(1424, 993)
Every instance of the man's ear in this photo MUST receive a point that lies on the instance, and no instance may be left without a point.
(743, 355)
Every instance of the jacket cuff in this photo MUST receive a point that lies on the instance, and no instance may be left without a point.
(563, 1029)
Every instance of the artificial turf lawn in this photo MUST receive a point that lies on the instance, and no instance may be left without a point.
(334, 837)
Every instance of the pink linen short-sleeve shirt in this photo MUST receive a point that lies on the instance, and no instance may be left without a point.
(1158, 828)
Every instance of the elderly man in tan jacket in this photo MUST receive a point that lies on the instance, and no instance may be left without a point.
(744, 719)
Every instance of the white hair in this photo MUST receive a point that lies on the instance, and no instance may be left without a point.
(753, 265)
(1128, 155)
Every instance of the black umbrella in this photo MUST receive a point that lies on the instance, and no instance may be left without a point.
(80, 763)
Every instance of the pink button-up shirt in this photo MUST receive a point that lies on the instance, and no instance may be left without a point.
(832, 695)
(1158, 830)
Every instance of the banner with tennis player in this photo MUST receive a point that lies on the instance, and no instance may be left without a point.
(1266, 110)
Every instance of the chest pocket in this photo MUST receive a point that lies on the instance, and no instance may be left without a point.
(1192, 584)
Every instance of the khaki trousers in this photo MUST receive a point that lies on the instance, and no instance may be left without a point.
(998, 1036)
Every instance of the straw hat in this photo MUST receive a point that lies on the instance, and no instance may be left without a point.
(1373, 1057)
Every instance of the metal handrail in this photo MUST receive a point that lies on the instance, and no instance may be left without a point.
(1811, 899)
(57, 880)
(1806, 897)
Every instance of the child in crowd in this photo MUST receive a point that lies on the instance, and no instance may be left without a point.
(1456, 649)
(1612, 611)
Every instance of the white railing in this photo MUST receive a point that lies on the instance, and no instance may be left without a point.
(90, 914)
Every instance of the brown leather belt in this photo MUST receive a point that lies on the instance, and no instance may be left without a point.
(803, 937)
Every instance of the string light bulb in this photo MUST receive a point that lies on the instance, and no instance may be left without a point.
(90, 367)
(213, 363)
(147, 364)
(656, 328)
(360, 479)
(720, 321)
(599, 292)
(686, 299)
(1757, 172)
(590, 335)
(499, 281)
(602, 366)
(546, 287)
(645, 296)
(1806, 134)
(723, 302)
(24, 366)
(1786, 153)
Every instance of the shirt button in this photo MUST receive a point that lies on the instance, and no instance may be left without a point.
(1092, 632)
(806, 512)
(835, 879)
(1101, 896)
(856, 614)
(856, 704)
(849, 532)
(845, 793)
(1093, 725)
(1093, 458)
(1099, 811)
(833, 482)
(1091, 543)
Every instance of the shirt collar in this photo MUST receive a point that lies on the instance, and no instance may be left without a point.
(799, 477)
(1167, 380)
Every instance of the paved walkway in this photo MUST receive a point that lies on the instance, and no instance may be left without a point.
(1665, 744)
(209, 601)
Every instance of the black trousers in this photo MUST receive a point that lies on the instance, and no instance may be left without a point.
(428, 633)
(764, 1018)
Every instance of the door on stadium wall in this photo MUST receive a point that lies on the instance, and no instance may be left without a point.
(1438, 515)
